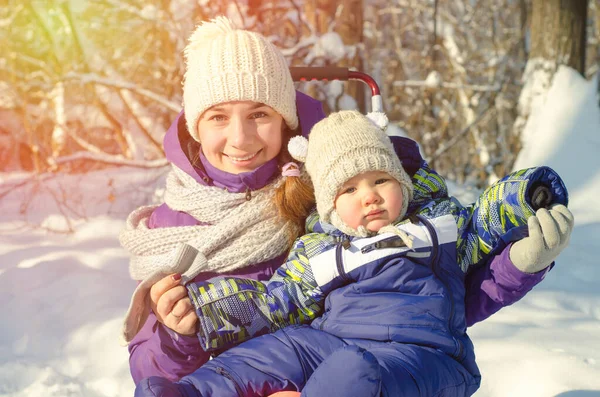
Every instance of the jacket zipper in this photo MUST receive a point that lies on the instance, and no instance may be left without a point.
(340, 268)
(390, 242)
(322, 324)
(434, 266)
(339, 263)
(221, 371)
(325, 319)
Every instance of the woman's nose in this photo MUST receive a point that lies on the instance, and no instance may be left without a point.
(240, 135)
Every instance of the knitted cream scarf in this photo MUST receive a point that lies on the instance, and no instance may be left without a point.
(235, 233)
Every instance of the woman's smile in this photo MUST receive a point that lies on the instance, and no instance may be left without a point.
(240, 136)
(239, 159)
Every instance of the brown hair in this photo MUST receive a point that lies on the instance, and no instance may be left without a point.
(295, 197)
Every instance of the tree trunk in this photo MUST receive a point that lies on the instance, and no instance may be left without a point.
(558, 32)
(350, 28)
(346, 17)
(558, 37)
(59, 135)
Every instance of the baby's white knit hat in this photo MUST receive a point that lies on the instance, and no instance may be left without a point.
(224, 63)
(339, 147)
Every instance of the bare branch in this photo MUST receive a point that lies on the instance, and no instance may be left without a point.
(157, 145)
(33, 178)
(93, 78)
(36, 62)
(472, 87)
(85, 144)
(455, 139)
(305, 42)
(86, 67)
(112, 159)
(46, 34)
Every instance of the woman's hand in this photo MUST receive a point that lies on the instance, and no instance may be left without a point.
(172, 306)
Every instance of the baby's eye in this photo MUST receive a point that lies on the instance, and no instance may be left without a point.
(348, 190)
(258, 115)
(381, 180)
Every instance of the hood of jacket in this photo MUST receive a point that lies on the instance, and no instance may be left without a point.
(177, 143)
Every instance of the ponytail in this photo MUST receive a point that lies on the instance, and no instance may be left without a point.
(295, 197)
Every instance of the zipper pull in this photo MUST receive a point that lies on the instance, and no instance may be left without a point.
(396, 242)
(393, 242)
(248, 194)
(367, 248)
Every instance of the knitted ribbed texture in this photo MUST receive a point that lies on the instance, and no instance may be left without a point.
(226, 64)
(235, 233)
(342, 146)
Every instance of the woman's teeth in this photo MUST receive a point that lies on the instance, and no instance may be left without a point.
(243, 158)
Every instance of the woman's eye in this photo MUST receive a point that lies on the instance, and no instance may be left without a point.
(217, 117)
(258, 115)
(381, 180)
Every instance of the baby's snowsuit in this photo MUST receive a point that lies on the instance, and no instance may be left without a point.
(387, 320)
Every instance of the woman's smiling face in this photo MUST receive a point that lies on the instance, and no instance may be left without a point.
(240, 136)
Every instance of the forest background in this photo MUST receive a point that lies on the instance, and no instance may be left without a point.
(86, 84)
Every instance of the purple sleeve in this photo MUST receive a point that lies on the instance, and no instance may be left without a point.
(163, 216)
(157, 350)
(490, 288)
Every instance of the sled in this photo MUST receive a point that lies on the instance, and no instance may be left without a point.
(328, 73)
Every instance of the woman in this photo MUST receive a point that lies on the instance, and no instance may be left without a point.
(229, 152)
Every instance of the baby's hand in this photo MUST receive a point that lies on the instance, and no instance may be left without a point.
(172, 306)
(549, 233)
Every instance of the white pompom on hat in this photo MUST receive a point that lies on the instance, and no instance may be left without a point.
(224, 63)
(298, 148)
(341, 146)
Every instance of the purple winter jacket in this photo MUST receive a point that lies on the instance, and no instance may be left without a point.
(158, 351)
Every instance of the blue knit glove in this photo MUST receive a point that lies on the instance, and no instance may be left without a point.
(549, 233)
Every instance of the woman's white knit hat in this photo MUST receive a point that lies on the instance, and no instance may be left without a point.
(224, 63)
(339, 147)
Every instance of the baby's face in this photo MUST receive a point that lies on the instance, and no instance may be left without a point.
(372, 199)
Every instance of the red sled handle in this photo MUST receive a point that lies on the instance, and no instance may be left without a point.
(328, 73)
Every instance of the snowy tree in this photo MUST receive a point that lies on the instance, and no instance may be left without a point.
(558, 32)
(593, 40)
(340, 27)
(558, 36)
(449, 73)
(106, 94)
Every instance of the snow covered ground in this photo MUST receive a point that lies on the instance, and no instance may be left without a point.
(62, 296)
